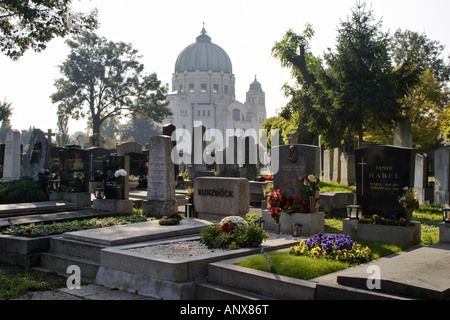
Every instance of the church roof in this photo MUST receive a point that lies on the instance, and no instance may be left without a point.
(203, 55)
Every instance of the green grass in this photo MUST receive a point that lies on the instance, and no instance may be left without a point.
(329, 187)
(14, 287)
(306, 268)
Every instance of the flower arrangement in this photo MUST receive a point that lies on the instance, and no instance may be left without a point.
(275, 199)
(275, 214)
(99, 175)
(297, 205)
(335, 247)
(232, 233)
(78, 175)
(409, 199)
(308, 185)
(390, 221)
(120, 175)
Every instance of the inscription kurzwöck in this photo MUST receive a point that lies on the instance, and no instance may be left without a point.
(215, 193)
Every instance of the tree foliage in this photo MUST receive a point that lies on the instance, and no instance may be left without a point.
(104, 79)
(351, 89)
(31, 24)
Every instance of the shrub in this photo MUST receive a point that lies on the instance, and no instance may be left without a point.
(20, 191)
(232, 233)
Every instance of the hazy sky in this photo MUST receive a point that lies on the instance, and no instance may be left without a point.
(245, 29)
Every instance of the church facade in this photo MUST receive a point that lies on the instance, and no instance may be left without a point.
(203, 91)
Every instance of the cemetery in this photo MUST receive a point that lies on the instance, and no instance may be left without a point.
(199, 255)
(343, 195)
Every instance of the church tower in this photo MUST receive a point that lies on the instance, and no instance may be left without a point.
(256, 100)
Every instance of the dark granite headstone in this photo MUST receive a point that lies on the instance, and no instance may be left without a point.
(96, 158)
(295, 161)
(74, 161)
(110, 165)
(55, 161)
(137, 163)
(381, 174)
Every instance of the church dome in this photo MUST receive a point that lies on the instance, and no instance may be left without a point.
(203, 55)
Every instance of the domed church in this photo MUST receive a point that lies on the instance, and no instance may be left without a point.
(203, 91)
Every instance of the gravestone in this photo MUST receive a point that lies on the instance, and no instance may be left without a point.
(12, 156)
(73, 162)
(114, 187)
(295, 161)
(403, 134)
(168, 131)
(137, 163)
(2, 156)
(218, 197)
(442, 176)
(55, 161)
(381, 174)
(161, 200)
(336, 165)
(347, 172)
(327, 166)
(249, 168)
(37, 157)
(421, 179)
(96, 158)
(125, 148)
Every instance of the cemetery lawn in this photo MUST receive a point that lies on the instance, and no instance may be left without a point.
(306, 268)
(330, 187)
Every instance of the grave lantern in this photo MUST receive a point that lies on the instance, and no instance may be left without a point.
(446, 215)
(99, 192)
(296, 230)
(260, 223)
(354, 212)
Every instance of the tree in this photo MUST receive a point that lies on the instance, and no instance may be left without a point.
(139, 130)
(5, 114)
(104, 79)
(33, 23)
(357, 88)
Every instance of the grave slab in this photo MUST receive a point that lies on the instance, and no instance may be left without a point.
(137, 232)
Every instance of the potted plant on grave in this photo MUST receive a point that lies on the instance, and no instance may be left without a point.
(274, 202)
(79, 177)
(309, 189)
(409, 201)
(120, 175)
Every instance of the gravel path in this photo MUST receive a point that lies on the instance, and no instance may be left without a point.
(177, 250)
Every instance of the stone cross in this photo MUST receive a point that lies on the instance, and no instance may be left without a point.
(50, 134)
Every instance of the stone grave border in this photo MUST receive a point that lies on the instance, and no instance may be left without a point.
(405, 236)
(312, 223)
(169, 279)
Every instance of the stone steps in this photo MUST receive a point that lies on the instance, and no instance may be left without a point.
(214, 291)
(66, 252)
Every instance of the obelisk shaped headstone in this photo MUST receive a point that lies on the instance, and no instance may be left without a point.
(161, 199)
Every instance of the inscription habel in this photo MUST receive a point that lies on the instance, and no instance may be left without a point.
(384, 172)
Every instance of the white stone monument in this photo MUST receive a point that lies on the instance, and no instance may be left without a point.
(12, 162)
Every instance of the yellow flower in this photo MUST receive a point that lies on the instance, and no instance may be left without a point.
(402, 220)
(315, 253)
(311, 178)
(375, 216)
